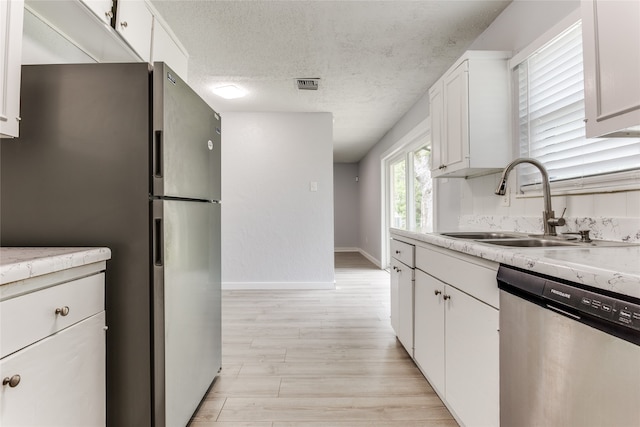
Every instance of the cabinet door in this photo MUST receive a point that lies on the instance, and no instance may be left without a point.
(405, 307)
(472, 359)
(429, 328)
(456, 118)
(166, 50)
(611, 43)
(101, 8)
(11, 14)
(134, 22)
(438, 141)
(62, 379)
(393, 297)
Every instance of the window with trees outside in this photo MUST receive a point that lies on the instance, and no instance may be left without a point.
(411, 191)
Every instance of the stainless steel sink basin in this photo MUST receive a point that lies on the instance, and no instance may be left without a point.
(480, 235)
(522, 240)
(529, 243)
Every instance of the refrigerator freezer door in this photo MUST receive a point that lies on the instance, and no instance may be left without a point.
(187, 319)
(186, 140)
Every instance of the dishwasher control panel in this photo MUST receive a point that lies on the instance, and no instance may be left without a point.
(610, 309)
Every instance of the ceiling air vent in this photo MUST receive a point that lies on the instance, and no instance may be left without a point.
(308, 84)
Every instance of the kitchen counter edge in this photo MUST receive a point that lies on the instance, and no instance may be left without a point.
(19, 264)
(615, 269)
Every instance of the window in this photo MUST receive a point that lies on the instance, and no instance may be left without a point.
(550, 96)
(410, 190)
(399, 194)
(422, 189)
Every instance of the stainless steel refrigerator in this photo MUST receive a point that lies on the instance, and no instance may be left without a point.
(128, 156)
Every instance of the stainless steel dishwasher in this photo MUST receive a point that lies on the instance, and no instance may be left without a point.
(569, 354)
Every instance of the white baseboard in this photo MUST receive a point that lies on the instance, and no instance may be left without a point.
(346, 250)
(364, 254)
(371, 258)
(255, 286)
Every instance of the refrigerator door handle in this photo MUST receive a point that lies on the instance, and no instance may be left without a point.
(157, 154)
(158, 242)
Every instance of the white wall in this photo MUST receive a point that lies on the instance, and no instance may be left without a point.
(276, 233)
(346, 209)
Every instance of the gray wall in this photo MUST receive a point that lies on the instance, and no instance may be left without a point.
(346, 206)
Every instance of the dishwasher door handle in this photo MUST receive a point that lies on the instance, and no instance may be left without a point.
(566, 313)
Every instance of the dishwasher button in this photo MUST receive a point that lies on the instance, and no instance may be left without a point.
(606, 308)
(586, 301)
(596, 304)
(626, 314)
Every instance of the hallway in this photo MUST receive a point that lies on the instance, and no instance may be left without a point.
(318, 359)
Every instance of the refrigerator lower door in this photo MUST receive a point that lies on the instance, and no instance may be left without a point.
(187, 319)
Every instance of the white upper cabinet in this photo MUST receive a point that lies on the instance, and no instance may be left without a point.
(11, 18)
(611, 43)
(469, 115)
(167, 49)
(103, 9)
(134, 22)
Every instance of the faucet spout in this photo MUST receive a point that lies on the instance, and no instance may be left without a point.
(550, 223)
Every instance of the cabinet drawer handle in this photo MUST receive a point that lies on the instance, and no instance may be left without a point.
(63, 311)
(13, 381)
(397, 252)
(124, 24)
(436, 292)
(446, 297)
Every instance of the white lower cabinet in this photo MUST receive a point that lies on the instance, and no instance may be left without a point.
(472, 359)
(61, 379)
(456, 333)
(429, 319)
(53, 349)
(402, 303)
(401, 297)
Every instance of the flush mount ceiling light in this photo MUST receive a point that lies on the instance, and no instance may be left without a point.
(229, 92)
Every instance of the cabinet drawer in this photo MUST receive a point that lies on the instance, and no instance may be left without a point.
(32, 317)
(472, 275)
(403, 252)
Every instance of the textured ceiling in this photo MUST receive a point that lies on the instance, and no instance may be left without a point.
(375, 59)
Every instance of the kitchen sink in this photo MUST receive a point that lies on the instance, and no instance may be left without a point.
(530, 243)
(522, 240)
(479, 235)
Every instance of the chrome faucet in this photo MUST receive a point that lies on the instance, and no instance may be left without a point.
(548, 216)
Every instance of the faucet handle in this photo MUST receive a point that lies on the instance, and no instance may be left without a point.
(557, 222)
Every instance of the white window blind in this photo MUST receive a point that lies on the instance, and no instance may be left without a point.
(551, 116)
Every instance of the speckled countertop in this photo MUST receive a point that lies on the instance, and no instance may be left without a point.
(25, 263)
(615, 269)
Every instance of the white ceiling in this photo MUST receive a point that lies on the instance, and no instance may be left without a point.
(375, 59)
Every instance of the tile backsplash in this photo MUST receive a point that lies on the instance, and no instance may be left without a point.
(603, 228)
(609, 216)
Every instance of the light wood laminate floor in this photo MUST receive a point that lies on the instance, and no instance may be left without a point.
(321, 358)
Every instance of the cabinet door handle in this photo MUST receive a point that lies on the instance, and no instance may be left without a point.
(397, 252)
(124, 24)
(446, 297)
(108, 14)
(62, 311)
(12, 382)
(437, 292)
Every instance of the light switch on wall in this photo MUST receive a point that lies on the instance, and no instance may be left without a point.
(313, 186)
